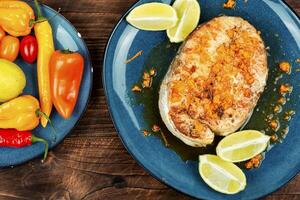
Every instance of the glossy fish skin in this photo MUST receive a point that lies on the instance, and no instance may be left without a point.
(215, 81)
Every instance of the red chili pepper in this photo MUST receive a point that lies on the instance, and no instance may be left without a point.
(18, 139)
(29, 49)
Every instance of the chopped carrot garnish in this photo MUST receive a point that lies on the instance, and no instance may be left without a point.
(136, 88)
(274, 137)
(274, 124)
(147, 80)
(152, 72)
(282, 100)
(134, 57)
(277, 109)
(229, 4)
(249, 165)
(285, 88)
(146, 133)
(155, 128)
(285, 67)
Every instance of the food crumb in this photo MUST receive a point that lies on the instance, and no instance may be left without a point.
(136, 88)
(285, 88)
(146, 133)
(274, 124)
(146, 75)
(288, 115)
(147, 83)
(277, 109)
(164, 139)
(298, 60)
(229, 4)
(282, 100)
(147, 80)
(254, 162)
(249, 165)
(274, 137)
(152, 72)
(285, 67)
(155, 128)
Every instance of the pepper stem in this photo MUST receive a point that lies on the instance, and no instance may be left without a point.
(66, 51)
(38, 9)
(40, 17)
(35, 139)
(42, 114)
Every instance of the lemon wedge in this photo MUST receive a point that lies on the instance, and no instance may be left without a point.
(188, 12)
(243, 145)
(220, 175)
(153, 17)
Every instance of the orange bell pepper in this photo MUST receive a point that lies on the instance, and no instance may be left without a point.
(2, 33)
(66, 69)
(15, 17)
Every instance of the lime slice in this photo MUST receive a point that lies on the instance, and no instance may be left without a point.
(188, 12)
(242, 145)
(220, 175)
(153, 17)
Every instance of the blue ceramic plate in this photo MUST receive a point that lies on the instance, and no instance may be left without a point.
(280, 29)
(65, 37)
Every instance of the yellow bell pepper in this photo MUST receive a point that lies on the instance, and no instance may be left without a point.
(21, 113)
(15, 17)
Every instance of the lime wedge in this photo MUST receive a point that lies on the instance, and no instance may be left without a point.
(188, 12)
(220, 175)
(153, 17)
(243, 145)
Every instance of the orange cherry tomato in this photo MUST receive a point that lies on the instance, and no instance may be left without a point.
(2, 33)
(9, 48)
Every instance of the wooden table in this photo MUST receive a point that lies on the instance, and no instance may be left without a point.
(92, 163)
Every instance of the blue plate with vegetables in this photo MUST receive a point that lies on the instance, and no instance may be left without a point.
(204, 94)
(45, 80)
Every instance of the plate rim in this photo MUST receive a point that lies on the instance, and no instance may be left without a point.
(105, 56)
(89, 93)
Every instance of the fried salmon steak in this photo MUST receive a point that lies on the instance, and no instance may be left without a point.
(214, 82)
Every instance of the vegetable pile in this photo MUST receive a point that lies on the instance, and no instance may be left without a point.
(59, 74)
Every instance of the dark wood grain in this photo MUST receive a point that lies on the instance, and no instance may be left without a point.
(91, 163)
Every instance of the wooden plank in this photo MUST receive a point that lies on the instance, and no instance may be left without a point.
(91, 163)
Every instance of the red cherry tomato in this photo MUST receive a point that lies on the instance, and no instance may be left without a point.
(29, 49)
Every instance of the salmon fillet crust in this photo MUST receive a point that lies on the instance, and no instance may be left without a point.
(215, 81)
